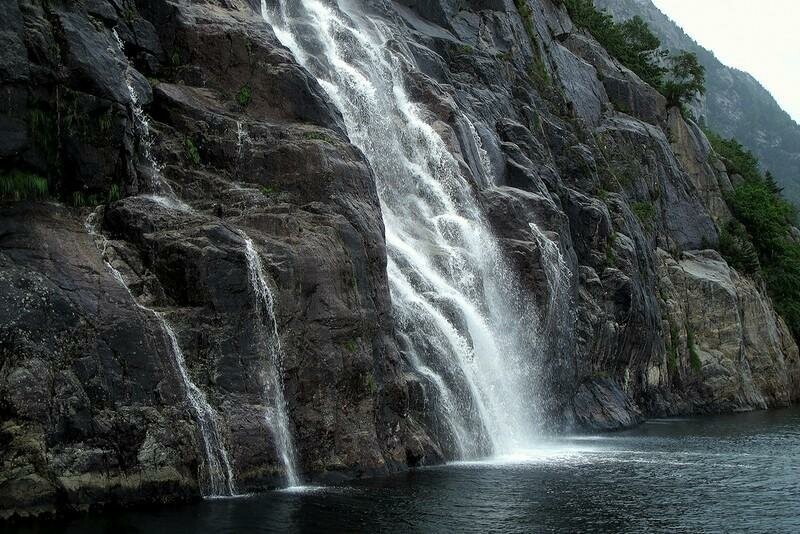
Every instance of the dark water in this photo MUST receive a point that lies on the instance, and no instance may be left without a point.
(714, 474)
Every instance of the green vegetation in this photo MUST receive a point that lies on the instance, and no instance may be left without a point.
(18, 186)
(244, 96)
(317, 136)
(622, 107)
(105, 122)
(508, 55)
(79, 200)
(129, 14)
(759, 241)
(645, 212)
(537, 73)
(686, 80)
(44, 127)
(369, 383)
(635, 46)
(738, 160)
(631, 42)
(192, 154)
(537, 70)
(737, 248)
(463, 49)
(350, 345)
(527, 21)
(266, 190)
(113, 194)
(611, 256)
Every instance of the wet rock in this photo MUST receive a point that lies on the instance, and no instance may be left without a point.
(82, 369)
(600, 404)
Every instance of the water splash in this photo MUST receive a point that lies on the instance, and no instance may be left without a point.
(455, 297)
(217, 472)
(276, 416)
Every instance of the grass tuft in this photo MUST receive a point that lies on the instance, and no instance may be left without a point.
(19, 185)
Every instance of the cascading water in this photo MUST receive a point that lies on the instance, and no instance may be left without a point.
(558, 275)
(162, 192)
(468, 331)
(216, 468)
(270, 343)
(483, 156)
(242, 139)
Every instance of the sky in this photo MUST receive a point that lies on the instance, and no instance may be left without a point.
(761, 37)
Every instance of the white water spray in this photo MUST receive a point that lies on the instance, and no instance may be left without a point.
(216, 468)
(270, 342)
(472, 334)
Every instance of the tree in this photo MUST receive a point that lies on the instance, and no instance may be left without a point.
(764, 225)
(773, 186)
(640, 51)
(737, 159)
(631, 42)
(686, 79)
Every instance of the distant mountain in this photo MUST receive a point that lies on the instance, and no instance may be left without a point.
(736, 104)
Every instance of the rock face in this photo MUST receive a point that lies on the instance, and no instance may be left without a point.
(639, 320)
(735, 104)
(724, 338)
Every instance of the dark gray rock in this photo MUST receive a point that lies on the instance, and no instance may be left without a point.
(85, 378)
(601, 405)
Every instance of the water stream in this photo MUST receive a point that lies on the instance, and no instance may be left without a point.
(558, 276)
(270, 343)
(216, 471)
(160, 190)
(470, 333)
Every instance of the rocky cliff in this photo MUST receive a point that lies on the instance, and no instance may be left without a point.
(202, 139)
(736, 104)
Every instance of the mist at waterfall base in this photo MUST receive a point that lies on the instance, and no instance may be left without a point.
(731, 473)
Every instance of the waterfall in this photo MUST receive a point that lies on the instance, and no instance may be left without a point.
(557, 273)
(218, 473)
(270, 343)
(483, 155)
(242, 139)
(162, 192)
(471, 334)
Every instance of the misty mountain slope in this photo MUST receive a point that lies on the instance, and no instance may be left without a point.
(736, 104)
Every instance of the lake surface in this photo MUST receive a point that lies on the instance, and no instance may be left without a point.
(710, 474)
